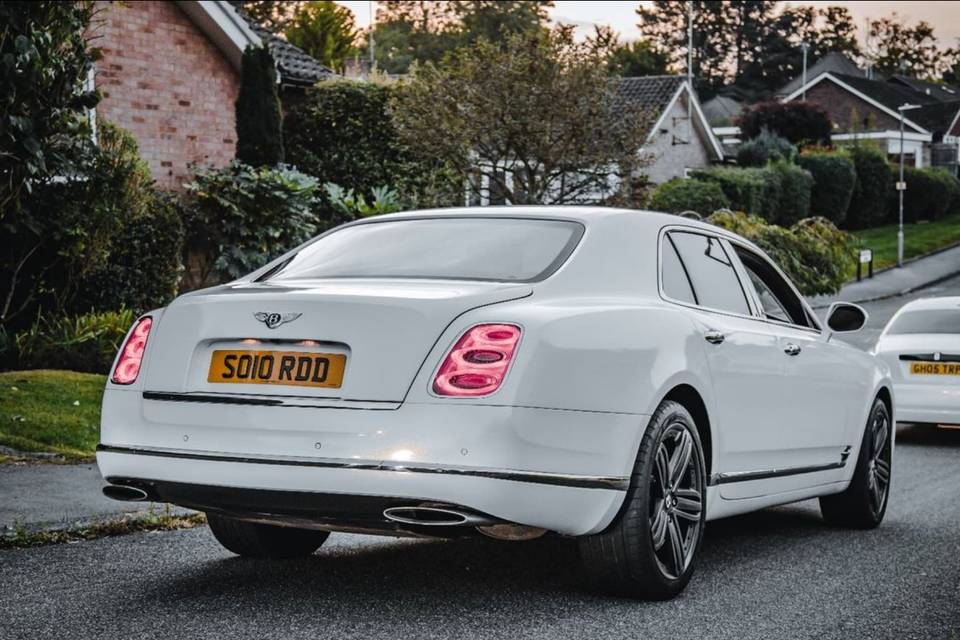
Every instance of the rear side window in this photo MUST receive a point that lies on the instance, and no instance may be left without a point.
(927, 321)
(713, 280)
(676, 282)
(499, 249)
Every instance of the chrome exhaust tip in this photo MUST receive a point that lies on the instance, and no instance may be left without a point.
(426, 516)
(125, 493)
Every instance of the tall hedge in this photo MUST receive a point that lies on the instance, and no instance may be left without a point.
(834, 177)
(928, 195)
(679, 195)
(868, 204)
(259, 118)
(343, 132)
(796, 186)
(778, 193)
(744, 188)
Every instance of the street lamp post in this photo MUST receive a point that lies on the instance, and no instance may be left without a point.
(804, 46)
(901, 185)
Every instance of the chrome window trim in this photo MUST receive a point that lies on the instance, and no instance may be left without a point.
(756, 310)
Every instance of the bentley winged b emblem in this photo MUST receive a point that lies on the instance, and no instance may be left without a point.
(274, 320)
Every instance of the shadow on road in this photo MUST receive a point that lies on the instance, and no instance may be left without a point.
(928, 435)
(424, 572)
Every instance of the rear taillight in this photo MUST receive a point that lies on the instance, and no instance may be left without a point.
(478, 362)
(131, 355)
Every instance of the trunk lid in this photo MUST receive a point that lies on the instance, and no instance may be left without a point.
(901, 351)
(384, 328)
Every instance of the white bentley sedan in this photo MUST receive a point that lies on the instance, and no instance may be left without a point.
(921, 345)
(616, 376)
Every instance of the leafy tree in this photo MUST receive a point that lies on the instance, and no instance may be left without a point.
(538, 108)
(45, 63)
(638, 58)
(900, 48)
(749, 43)
(779, 54)
(325, 30)
(666, 23)
(259, 119)
(422, 31)
(495, 20)
(275, 15)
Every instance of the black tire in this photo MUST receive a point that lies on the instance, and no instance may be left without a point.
(256, 540)
(624, 560)
(863, 504)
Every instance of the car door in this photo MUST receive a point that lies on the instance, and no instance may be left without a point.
(744, 356)
(818, 399)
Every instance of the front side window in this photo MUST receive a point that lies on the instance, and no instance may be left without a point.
(713, 280)
(463, 248)
(778, 301)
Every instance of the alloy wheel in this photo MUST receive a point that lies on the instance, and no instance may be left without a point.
(878, 467)
(676, 500)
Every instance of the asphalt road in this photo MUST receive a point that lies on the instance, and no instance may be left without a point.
(779, 573)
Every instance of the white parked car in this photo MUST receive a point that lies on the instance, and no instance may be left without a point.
(617, 376)
(921, 345)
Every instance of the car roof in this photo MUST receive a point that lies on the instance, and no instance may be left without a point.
(585, 214)
(944, 302)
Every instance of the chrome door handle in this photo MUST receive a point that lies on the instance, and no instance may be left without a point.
(791, 349)
(713, 337)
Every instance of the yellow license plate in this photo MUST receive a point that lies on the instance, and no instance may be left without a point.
(294, 368)
(935, 368)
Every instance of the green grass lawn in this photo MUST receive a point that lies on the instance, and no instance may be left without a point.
(918, 239)
(54, 411)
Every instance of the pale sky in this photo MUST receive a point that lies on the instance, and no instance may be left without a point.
(944, 16)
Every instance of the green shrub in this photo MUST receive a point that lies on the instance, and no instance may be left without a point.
(239, 218)
(86, 343)
(679, 195)
(144, 266)
(833, 181)
(80, 228)
(818, 257)
(744, 188)
(796, 185)
(868, 204)
(927, 196)
(351, 205)
(765, 147)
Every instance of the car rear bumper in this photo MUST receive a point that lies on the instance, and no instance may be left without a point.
(565, 471)
(928, 403)
(352, 493)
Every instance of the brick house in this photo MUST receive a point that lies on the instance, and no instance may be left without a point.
(863, 108)
(170, 74)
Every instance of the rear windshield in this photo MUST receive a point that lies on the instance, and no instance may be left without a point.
(500, 249)
(927, 321)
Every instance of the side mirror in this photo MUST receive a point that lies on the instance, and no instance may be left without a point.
(843, 317)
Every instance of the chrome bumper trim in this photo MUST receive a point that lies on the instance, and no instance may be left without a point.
(619, 483)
